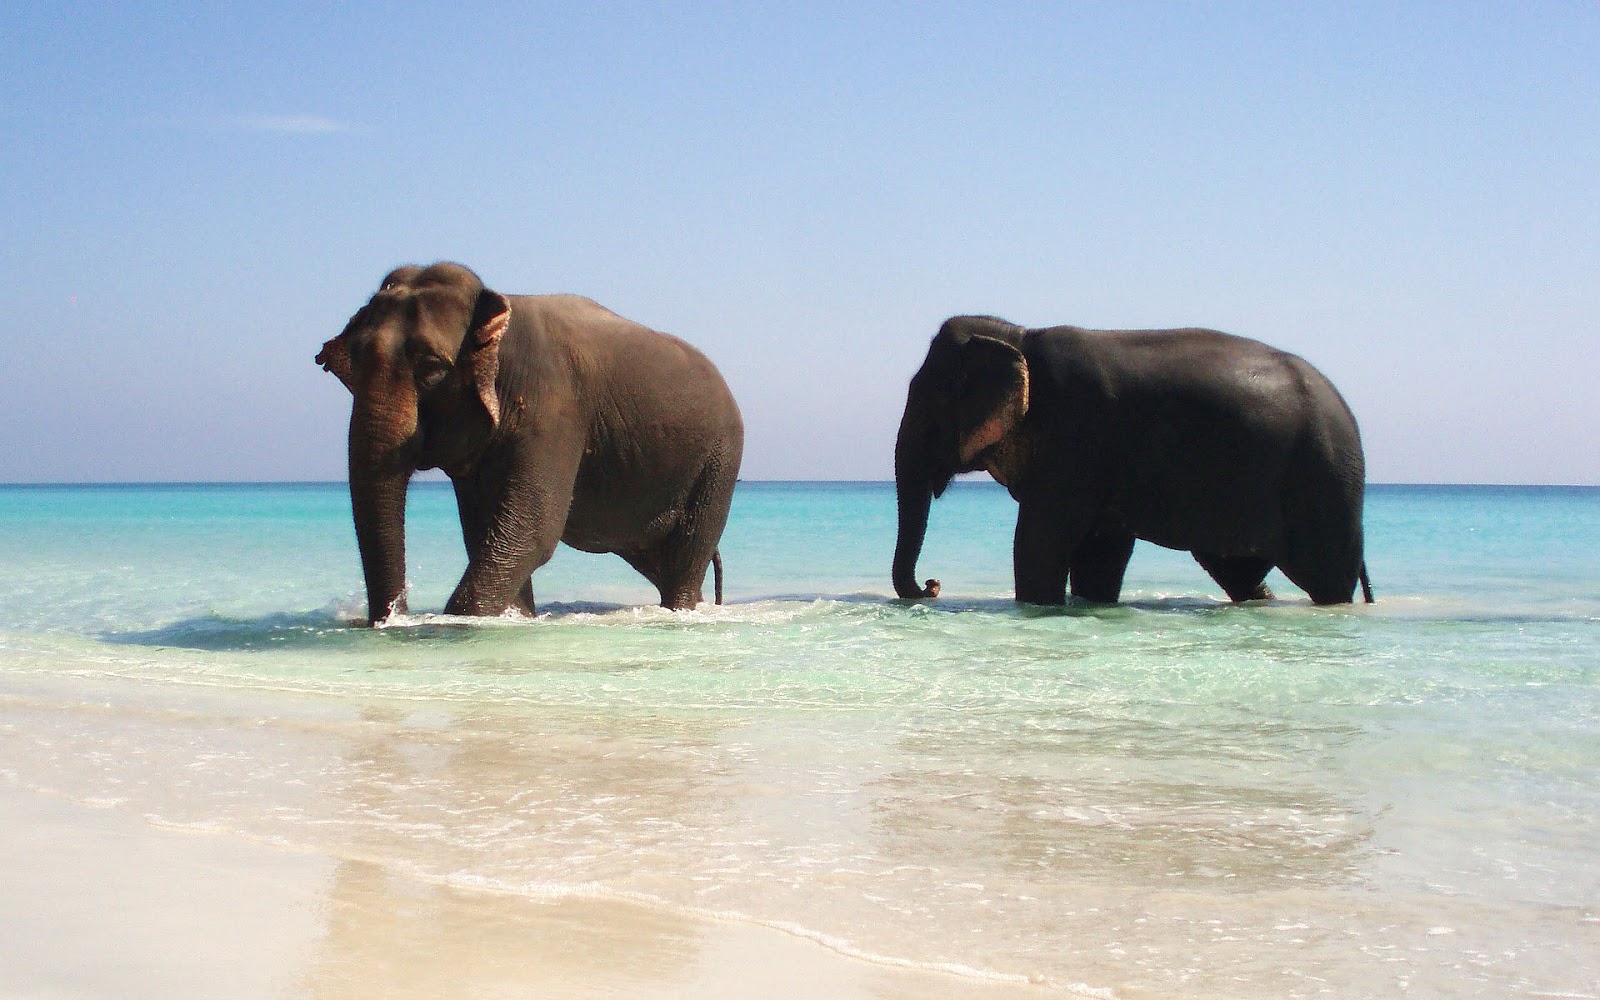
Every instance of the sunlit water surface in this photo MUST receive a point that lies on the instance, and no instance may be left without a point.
(1172, 797)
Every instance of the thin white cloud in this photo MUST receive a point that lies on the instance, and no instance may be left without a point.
(290, 124)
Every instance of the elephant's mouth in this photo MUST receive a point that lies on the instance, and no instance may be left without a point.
(441, 445)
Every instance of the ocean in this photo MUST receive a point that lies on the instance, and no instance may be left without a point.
(1173, 797)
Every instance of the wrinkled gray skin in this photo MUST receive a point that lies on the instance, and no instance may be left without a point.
(555, 419)
(1241, 454)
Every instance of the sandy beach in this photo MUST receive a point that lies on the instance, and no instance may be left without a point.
(98, 903)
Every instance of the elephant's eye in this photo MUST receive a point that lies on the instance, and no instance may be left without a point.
(431, 371)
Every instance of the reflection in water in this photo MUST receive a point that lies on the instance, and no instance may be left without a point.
(396, 937)
(577, 803)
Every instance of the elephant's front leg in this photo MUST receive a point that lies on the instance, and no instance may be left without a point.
(522, 519)
(1040, 552)
(475, 506)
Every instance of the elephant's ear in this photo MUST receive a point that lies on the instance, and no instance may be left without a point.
(335, 357)
(994, 395)
(480, 351)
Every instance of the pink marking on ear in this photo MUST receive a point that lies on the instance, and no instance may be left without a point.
(335, 357)
(493, 328)
(491, 331)
(1002, 422)
(485, 357)
(986, 436)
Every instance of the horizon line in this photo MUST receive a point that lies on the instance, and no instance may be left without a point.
(820, 482)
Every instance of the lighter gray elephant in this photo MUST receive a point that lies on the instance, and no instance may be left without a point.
(556, 420)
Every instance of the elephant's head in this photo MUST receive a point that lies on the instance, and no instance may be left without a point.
(420, 358)
(962, 412)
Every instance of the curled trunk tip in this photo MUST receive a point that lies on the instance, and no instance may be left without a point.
(914, 501)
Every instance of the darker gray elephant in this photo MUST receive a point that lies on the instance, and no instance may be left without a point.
(555, 419)
(1242, 454)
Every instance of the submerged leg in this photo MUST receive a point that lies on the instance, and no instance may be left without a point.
(1239, 576)
(522, 503)
(473, 505)
(1039, 554)
(1098, 566)
(652, 565)
(1324, 585)
(524, 601)
(677, 564)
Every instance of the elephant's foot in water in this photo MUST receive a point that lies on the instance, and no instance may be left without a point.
(524, 601)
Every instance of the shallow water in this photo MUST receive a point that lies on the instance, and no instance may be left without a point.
(1172, 797)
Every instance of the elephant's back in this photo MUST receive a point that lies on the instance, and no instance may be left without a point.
(603, 340)
(1161, 356)
(566, 317)
(1195, 370)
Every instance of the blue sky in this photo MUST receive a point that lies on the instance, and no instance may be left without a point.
(195, 197)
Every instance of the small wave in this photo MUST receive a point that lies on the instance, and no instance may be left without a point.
(549, 892)
(221, 633)
(335, 623)
(334, 627)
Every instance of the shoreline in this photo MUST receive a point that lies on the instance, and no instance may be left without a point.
(100, 903)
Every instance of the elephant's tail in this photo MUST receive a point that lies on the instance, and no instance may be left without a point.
(1366, 585)
(716, 573)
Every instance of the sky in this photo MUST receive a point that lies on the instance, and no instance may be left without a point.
(194, 197)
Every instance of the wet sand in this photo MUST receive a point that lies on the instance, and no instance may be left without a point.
(96, 902)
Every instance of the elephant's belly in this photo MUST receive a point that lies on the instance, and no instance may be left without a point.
(1238, 528)
(612, 535)
(1224, 544)
(620, 519)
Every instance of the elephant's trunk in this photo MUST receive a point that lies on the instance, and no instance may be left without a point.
(380, 468)
(914, 492)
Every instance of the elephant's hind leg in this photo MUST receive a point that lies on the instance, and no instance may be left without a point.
(1322, 521)
(1241, 577)
(677, 564)
(650, 564)
(1324, 584)
(676, 568)
(1324, 557)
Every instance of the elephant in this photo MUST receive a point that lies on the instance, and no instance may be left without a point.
(1241, 454)
(555, 419)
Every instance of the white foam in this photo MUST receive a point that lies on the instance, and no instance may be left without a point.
(832, 942)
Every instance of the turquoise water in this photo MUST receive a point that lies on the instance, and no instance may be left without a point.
(1172, 797)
